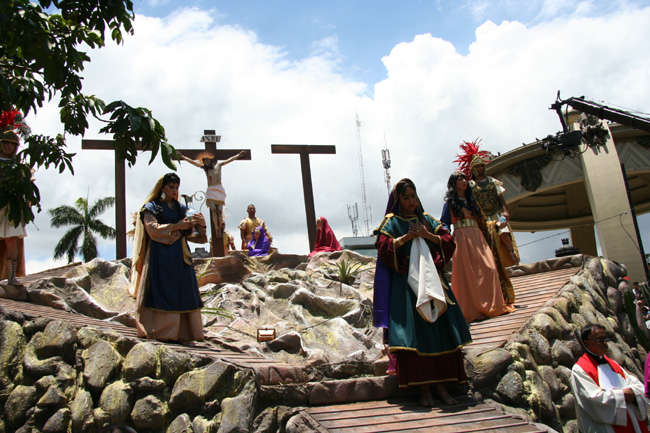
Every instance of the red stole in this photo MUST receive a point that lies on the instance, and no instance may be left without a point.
(590, 366)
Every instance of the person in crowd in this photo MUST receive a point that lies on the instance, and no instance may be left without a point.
(608, 398)
(248, 224)
(325, 238)
(259, 245)
(423, 325)
(636, 290)
(474, 278)
(12, 233)
(643, 312)
(168, 303)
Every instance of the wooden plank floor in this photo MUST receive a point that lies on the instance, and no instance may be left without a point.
(407, 415)
(531, 292)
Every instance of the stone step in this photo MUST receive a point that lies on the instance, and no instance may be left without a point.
(352, 390)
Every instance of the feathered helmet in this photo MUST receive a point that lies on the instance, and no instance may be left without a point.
(471, 156)
(11, 125)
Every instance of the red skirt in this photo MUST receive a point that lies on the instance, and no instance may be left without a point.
(416, 370)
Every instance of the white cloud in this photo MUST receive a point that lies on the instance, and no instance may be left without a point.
(157, 3)
(197, 74)
(34, 265)
(478, 8)
(326, 47)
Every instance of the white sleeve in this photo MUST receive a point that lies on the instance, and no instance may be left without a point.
(641, 406)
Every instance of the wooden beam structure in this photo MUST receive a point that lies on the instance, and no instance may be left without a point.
(209, 138)
(120, 192)
(304, 150)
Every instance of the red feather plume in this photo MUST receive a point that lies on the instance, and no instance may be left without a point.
(469, 149)
(8, 118)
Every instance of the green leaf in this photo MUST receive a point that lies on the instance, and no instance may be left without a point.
(83, 221)
(42, 57)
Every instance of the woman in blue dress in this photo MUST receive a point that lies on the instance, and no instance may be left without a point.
(168, 305)
(423, 324)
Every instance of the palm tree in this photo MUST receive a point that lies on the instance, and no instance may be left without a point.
(84, 222)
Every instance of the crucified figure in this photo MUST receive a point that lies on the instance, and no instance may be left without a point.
(216, 194)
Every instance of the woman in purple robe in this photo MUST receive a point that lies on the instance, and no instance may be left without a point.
(259, 245)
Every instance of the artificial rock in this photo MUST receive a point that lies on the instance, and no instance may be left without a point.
(57, 377)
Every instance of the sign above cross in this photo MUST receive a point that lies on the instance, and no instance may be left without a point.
(304, 150)
(211, 139)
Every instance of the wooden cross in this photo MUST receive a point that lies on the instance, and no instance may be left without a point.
(304, 150)
(120, 192)
(211, 139)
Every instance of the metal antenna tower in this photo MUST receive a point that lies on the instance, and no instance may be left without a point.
(353, 214)
(364, 202)
(385, 160)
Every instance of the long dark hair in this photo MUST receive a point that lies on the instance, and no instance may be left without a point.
(170, 178)
(455, 203)
(166, 180)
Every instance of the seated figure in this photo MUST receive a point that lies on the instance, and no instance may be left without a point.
(325, 238)
(259, 245)
(248, 224)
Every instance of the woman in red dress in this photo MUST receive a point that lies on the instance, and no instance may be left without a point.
(325, 238)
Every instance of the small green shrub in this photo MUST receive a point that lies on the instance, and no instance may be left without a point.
(347, 271)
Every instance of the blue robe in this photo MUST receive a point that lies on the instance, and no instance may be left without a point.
(172, 282)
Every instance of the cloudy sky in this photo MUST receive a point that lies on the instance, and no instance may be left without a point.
(422, 76)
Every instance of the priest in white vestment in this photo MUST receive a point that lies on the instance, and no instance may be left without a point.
(608, 398)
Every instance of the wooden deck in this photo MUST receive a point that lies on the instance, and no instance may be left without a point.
(531, 292)
(408, 416)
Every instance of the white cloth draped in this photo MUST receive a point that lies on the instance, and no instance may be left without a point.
(216, 193)
(425, 282)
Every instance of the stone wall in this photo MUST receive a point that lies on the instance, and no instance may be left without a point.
(56, 378)
(530, 375)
